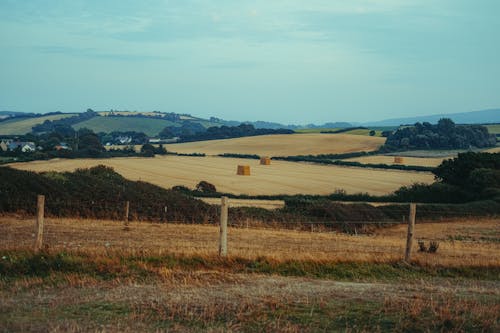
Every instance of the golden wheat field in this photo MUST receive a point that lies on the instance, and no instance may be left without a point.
(461, 242)
(283, 145)
(382, 159)
(278, 178)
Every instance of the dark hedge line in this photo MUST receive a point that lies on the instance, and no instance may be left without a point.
(249, 156)
(321, 160)
(343, 130)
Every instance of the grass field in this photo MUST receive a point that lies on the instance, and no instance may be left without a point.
(150, 126)
(493, 129)
(98, 276)
(282, 145)
(23, 126)
(278, 178)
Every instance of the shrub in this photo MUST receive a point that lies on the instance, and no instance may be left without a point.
(206, 187)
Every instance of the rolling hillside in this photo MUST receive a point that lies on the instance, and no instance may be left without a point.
(283, 145)
(149, 126)
(474, 117)
(20, 126)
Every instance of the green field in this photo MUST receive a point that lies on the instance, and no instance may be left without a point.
(150, 126)
(494, 129)
(315, 130)
(19, 126)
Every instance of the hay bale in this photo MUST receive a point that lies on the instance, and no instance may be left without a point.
(265, 161)
(398, 160)
(243, 170)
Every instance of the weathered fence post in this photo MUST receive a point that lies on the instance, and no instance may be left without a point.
(127, 209)
(223, 227)
(411, 226)
(40, 209)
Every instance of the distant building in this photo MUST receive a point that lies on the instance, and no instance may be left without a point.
(4, 144)
(26, 147)
(62, 146)
(124, 140)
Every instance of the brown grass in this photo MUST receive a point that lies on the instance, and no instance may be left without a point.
(278, 178)
(387, 245)
(283, 145)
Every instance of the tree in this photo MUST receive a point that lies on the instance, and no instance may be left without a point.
(148, 150)
(457, 171)
(166, 133)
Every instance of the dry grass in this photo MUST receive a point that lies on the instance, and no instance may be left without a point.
(283, 145)
(278, 178)
(387, 245)
(218, 299)
(420, 161)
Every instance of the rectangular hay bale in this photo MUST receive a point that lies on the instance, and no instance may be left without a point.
(243, 170)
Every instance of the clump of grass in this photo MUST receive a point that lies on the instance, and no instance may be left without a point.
(433, 246)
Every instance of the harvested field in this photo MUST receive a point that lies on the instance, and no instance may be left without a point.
(383, 159)
(282, 145)
(278, 178)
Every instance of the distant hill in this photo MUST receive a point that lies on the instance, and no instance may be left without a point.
(490, 116)
(273, 125)
(11, 113)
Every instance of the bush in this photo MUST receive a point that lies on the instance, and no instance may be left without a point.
(206, 187)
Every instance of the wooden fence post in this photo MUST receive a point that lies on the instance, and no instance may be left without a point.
(411, 226)
(223, 227)
(40, 209)
(127, 208)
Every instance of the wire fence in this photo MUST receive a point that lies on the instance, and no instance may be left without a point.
(98, 232)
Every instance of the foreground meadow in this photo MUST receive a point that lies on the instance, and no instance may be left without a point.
(278, 178)
(100, 276)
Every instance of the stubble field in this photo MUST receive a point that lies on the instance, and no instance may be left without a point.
(278, 178)
(283, 145)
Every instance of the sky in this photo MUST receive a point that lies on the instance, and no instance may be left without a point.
(294, 61)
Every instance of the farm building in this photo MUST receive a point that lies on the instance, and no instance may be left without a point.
(24, 146)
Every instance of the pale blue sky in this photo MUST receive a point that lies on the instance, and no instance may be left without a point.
(288, 61)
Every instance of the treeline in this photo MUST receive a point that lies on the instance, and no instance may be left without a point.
(444, 135)
(189, 132)
(343, 130)
(65, 142)
(54, 125)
